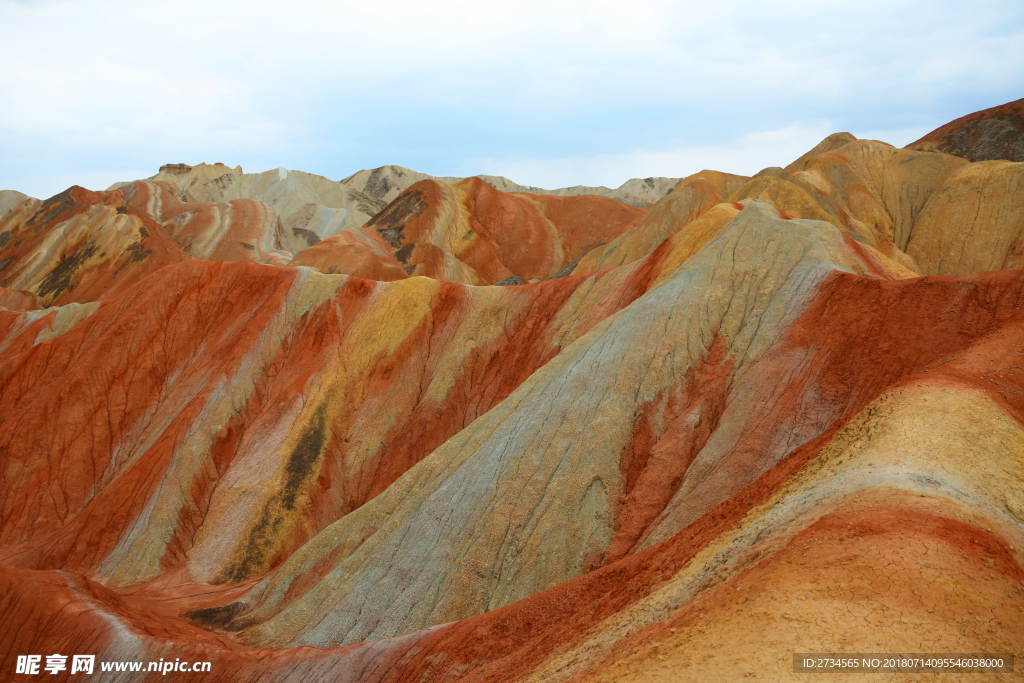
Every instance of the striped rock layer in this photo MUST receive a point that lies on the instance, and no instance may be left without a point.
(474, 234)
(314, 208)
(771, 415)
(990, 134)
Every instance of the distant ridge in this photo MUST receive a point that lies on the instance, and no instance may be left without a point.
(313, 207)
(986, 135)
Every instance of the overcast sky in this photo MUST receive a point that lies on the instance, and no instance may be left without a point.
(548, 93)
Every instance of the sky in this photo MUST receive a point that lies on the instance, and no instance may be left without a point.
(546, 93)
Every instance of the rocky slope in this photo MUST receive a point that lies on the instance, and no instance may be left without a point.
(990, 134)
(313, 208)
(471, 233)
(768, 415)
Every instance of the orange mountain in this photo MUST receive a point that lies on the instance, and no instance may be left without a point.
(767, 415)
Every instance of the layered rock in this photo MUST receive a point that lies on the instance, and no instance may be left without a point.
(642, 192)
(237, 230)
(358, 252)
(931, 212)
(990, 134)
(690, 199)
(692, 441)
(313, 208)
(535, 450)
(703, 447)
(474, 234)
(12, 200)
(974, 223)
(78, 245)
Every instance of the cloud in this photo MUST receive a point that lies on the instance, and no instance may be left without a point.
(97, 179)
(745, 156)
(332, 87)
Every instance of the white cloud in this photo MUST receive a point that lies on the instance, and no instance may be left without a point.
(255, 82)
(897, 137)
(745, 156)
(42, 187)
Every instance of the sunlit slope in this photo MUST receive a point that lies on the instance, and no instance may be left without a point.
(932, 212)
(488, 434)
(77, 245)
(183, 385)
(314, 208)
(474, 234)
(910, 451)
(988, 135)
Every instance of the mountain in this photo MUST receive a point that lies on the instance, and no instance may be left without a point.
(990, 134)
(470, 232)
(314, 208)
(640, 192)
(517, 436)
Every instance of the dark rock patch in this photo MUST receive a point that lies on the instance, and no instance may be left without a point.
(309, 236)
(566, 269)
(390, 223)
(510, 281)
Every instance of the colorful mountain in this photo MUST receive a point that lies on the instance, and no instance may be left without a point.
(492, 435)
